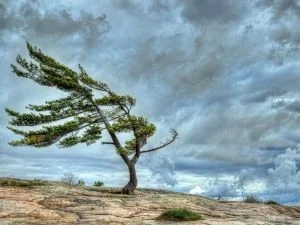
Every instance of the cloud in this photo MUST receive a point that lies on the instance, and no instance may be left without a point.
(226, 187)
(281, 9)
(286, 173)
(283, 180)
(162, 168)
(212, 10)
(263, 96)
(282, 16)
(216, 188)
(290, 105)
(29, 21)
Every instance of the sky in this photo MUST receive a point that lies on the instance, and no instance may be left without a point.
(224, 74)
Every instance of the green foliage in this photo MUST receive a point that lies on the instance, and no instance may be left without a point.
(141, 128)
(98, 184)
(45, 136)
(121, 150)
(271, 202)
(29, 119)
(69, 104)
(115, 100)
(80, 183)
(87, 80)
(180, 215)
(48, 72)
(137, 123)
(252, 199)
(90, 136)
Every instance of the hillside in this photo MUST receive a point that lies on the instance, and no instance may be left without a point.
(38, 203)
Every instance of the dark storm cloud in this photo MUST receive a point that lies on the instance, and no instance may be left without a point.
(158, 6)
(138, 7)
(285, 36)
(157, 60)
(253, 129)
(225, 11)
(6, 21)
(212, 166)
(27, 20)
(285, 39)
(281, 9)
(263, 96)
(293, 106)
(127, 5)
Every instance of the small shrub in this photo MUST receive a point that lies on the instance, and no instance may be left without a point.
(252, 199)
(69, 178)
(179, 215)
(271, 202)
(98, 184)
(37, 180)
(80, 183)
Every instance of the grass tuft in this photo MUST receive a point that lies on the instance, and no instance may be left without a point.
(180, 215)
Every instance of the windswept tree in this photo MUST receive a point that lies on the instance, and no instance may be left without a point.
(89, 108)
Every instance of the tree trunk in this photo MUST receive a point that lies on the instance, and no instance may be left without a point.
(131, 185)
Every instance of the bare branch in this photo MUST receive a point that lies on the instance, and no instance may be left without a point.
(174, 135)
(107, 143)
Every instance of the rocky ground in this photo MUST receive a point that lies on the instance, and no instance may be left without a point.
(54, 203)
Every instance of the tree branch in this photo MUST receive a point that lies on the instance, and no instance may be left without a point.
(50, 118)
(174, 135)
(48, 143)
(107, 143)
(126, 109)
(113, 136)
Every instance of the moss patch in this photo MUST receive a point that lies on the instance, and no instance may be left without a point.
(179, 215)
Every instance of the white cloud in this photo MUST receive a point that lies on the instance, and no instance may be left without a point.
(162, 168)
(286, 172)
(196, 190)
(229, 186)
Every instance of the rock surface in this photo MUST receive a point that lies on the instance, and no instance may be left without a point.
(54, 203)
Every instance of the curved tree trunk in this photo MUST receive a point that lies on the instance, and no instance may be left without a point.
(131, 185)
